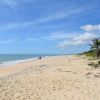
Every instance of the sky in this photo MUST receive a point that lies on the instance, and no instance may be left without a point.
(48, 26)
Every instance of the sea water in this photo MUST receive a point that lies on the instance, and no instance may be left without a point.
(16, 58)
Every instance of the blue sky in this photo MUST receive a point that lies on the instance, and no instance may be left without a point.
(48, 26)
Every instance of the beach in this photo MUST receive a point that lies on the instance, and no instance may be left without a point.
(51, 78)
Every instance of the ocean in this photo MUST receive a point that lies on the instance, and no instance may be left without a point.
(16, 58)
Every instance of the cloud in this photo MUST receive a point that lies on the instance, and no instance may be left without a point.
(78, 40)
(10, 3)
(91, 27)
(6, 41)
(9, 26)
(84, 38)
(14, 3)
(58, 15)
(31, 39)
(59, 36)
(62, 14)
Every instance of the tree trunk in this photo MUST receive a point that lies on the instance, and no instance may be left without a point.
(98, 53)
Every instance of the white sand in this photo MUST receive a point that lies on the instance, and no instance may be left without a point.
(52, 78)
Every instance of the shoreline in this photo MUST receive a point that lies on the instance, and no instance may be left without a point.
(12, 62)
(6, 63)
(17, 66)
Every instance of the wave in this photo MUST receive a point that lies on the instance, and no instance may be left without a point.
(17, 61)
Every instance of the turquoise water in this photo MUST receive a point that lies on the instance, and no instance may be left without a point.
(17, 57)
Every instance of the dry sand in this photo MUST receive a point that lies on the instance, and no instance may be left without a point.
(52, 78)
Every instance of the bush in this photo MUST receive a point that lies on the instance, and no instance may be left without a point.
(90, 53)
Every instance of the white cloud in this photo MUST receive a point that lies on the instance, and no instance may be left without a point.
(9, 26)
(91, 27)
(31, 39)
(85, 37)
(55, 16)
(63, 14)
(78, 40)
(6, 41)
(59, 36)
(41, 20)
(60, 15)
(14, 3)
(10, 3)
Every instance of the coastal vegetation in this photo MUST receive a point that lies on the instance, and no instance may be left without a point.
(90, 53)
(93, 53)
(95, 45)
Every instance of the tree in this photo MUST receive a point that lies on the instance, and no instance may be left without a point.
(95, 45)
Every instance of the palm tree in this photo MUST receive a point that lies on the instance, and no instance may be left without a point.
(95, 45)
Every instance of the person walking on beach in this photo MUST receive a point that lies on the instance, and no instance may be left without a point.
(40, 58)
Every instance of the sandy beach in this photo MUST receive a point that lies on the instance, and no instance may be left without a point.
(52, 78)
